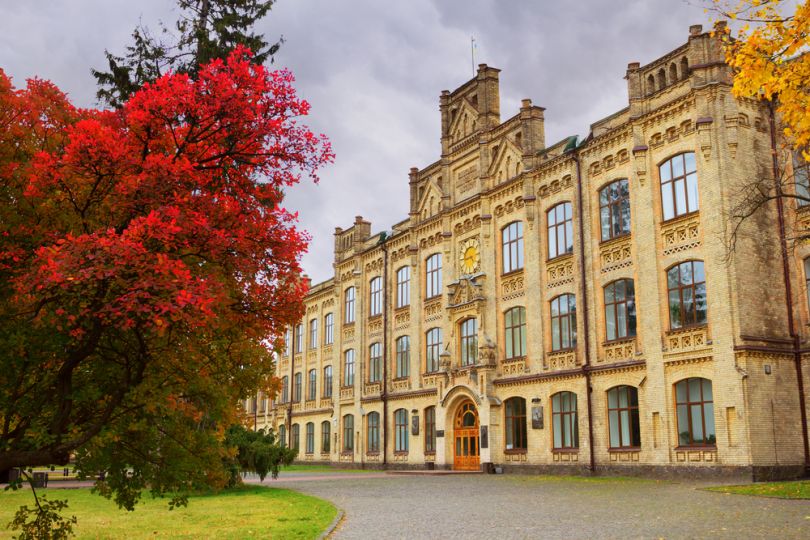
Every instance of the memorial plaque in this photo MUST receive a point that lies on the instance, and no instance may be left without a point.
(484, 437)
(439, 433)
(414, 425)
(537, 417)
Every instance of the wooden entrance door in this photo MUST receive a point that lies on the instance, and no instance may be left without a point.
(465, 432)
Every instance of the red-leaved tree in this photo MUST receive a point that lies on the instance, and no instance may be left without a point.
(147, 268)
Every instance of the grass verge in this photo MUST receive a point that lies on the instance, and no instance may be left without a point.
(799, 489)
(245, 512)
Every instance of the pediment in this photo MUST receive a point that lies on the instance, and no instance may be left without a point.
(465, 121)
(431, 202)
(507, 162)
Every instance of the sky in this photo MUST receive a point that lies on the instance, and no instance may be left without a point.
(373, 71)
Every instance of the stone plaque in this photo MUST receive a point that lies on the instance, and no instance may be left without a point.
(484, 437)
(414, 425)
(537, 417)
(439, 433)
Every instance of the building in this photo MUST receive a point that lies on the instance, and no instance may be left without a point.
(570, 306)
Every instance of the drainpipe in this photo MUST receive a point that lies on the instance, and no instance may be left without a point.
(797, 356)
(586, 366)
(384, 391)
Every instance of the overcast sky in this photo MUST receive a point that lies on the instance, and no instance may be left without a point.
(373, 71)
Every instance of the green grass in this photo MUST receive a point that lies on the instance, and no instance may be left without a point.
(246, 512)
(799, 489)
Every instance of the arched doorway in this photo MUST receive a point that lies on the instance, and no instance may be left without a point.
(465, 433)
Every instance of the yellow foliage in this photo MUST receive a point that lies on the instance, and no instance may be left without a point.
(769, 54)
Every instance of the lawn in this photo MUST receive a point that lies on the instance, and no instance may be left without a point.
(246, 512)
(799, 489)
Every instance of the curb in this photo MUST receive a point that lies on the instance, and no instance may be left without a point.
(332, 526)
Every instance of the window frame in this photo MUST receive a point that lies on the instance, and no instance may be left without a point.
(670, 182)
(629, 303)
(285, 389)
(512, 252)
(566, 226)
(309, 445)
(349, 296)
(375, 300)
(403, 287)
(282, 436)
(328, 381)
(468, 341)
(430, 430)
(617, 205)
(509, 333)
(348, 429)
(295, 437)
(313, 333)
(329, 328)
(632, 418)
(433, 349)
(515, 436)
(564, 418)
(402, 367)
(298, 337)
(401, 431)
(348, 368)
(326, 437)
(689, 404)
(557, 322)
(373, 432)
(298, 387)
(433, 276)
(312, 385)
(694, 287)
(375, 362)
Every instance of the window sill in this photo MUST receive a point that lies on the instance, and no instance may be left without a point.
(616, 239)
(561, 351)
(514, 359)
(349, 324)
(402, 309)
(373, 453)
(512, 273)
(695, 447)
(624, 449)
(609, 342)
(560, 257)
(516, 451)
(687, 328)
(401, 453)
(375, 317)
(682, 217)
(565, 450)
(399, 379)
(347, 453)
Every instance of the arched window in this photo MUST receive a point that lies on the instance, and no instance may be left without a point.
(433, 276)
(375, 297)
(620, 309)
(560, 230)
(326, 434)
(295, 434)
(686, 287)
(430, 430)
(512, 246)
(614, 209)
(313, 334)
(348, 368)
(623, 417)
(695, 408)
(468, 342)
(514, 323)
(297, 394)
(563, 322)
(403, 286)
(285, 389)
(564, 420)
(348, 305)
(679, 185)
(433, 346)
(299, 338)
(684, 68)
(375, 362)
(650, 84)
(282, 435)
(311, 385)
(328, 329)
(515, 424)
(801, 179)
(310, 444)
(348, 433)
(327, 382)
(400, 430)
(662, 79)
(373, 435)
(673, 72)
(403, 367)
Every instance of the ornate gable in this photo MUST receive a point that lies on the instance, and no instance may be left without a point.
(431, 202)
(465, 121)
(507, 162)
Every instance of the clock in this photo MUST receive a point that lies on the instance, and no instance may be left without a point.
(469, 256)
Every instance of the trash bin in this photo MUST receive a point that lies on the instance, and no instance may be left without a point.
(430, 465)
(40, 480)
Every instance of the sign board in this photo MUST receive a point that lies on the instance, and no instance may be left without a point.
(484, 437)
(537, 417)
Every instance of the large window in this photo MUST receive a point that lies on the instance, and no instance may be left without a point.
(512, 243)
(373, 437)
(295, 435)
(299, 338)
(313, 334)
(348, 305)
(403, 366)
(623, 417)
(285, 389)
(686, 287)
(297, 387)
(560, 231)
(469, 341)
(433, 347)
(326, 433)
(514, 324)
(433, 276)
(400, 430)
(620, 309)
(328, 329)
(375, 301)
(327, 382)
(807, 278)
(310, 444)
(375, 362)
(614, 209)
(348, 368)
(282, 435)
(564, 420)
(801, 177)
(693, 398)
(287, 340)
(403, 286)
(430, 430)
(679, 190)
(563, 322)
(515, 419)
(311, 385)
(348, 433)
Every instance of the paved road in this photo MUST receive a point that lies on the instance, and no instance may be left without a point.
(506, 506)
